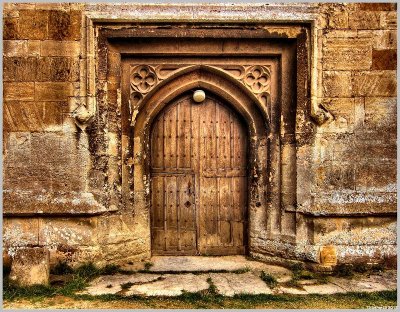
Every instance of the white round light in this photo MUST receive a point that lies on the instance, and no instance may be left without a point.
(199, 96)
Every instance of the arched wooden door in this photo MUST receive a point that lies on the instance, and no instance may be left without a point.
(198, 179)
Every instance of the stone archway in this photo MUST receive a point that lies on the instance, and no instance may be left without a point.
(222, 89)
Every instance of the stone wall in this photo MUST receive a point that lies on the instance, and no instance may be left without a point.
(54, 198)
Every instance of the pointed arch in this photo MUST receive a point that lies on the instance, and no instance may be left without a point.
(210, 79)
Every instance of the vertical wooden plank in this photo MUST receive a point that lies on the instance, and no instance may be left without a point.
(157, 202)
(157, 144)
(170, 138)
(171, 216)
(157, 209)
(224, 208)
(183, 134)
(179, 181)
(224, 138)
(209, 135)
(187, 230)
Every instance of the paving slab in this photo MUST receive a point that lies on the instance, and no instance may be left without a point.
(171, 285)
(324, 289)
(204, 264)
(111, 284)
(289, 290)
(230, 284)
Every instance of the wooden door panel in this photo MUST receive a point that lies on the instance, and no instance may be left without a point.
(199, 179)
(173, 213)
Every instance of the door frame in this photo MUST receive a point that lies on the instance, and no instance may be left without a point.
(275, 223)
(223, 86)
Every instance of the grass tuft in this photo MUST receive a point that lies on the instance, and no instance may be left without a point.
(269, 279)
(87, 270)
(148, 265)
(126, 285)
(62, 268)
(110, 269)
(212, 290)
(241, 271)
(344, 270)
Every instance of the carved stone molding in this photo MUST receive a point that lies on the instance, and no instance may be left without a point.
(144, 78)
(96, 14)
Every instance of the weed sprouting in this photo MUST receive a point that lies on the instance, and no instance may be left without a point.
(110, 269)
(242, 270)
(212, 290)
(148, 265)
(126, 285)
(378, 268)
(344, 270)
(361, 268)
(62, 268)
(269, 279)
(87, 270)
(296, 268)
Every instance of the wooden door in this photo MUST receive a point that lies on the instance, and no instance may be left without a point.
(199, 179)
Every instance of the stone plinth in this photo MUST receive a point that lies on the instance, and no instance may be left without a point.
(30, 266)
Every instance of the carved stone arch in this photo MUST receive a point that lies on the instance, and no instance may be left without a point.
(209, 78)
(232, 93)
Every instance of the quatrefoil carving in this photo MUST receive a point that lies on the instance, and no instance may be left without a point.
(143, 78)
(257, 78)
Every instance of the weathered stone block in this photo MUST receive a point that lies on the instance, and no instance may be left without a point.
(26, 177)
(376, 177)
(19, 232)
(385, 39)
(376, 6)
(19, 68)
(384, 59)
(60, 48)
(57, 69)
(33, 24)
(20, 91)
(374, 83)
(335, 177)
(338, 33)
(364, 20)
(347, 53)
(53, 91)
(10, 28)
(32, 116)
(30, 266)
(369, 150)
(22, 48)
(64, 25)
(337, 83)
(68, 232)
(389, 20)
(19, 6)
(343, 111)
(338, 19)
(328, 255)
(381, 112)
